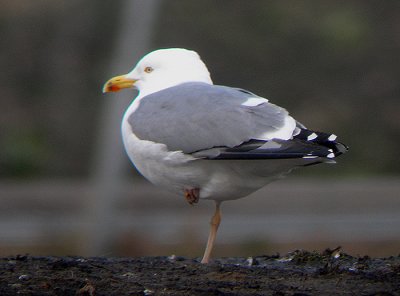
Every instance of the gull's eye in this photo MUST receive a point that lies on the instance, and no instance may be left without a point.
(148, 69)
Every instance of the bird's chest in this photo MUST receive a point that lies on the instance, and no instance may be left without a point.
(171, 169)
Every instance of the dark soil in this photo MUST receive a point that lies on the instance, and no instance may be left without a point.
(298, 273)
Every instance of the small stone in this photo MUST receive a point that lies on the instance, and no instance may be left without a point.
(128, 274)
(148, 292)
(250, 261)
(172, 257)
(24, 277)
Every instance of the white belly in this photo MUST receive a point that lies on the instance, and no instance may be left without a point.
(216, 179)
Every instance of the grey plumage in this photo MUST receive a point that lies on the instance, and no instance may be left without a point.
(195, 116)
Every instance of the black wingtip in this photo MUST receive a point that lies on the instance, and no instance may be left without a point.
(324, 139)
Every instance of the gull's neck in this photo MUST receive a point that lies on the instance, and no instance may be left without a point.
(146, 90)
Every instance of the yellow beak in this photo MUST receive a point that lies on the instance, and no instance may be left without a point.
(117, 83)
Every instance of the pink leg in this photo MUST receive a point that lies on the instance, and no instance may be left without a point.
(215, 221)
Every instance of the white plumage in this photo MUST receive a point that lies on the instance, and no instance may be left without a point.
(206, 141)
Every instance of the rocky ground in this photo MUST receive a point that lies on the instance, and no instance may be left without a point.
(297, 273)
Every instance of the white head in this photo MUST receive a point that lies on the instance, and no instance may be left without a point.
(161, 69)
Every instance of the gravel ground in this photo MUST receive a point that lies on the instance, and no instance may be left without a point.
(297, 273)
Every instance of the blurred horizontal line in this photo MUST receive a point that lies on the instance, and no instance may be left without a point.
(288, 210)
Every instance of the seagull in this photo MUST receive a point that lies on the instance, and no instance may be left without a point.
(207, 141)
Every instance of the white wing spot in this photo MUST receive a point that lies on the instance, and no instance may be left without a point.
(332, 137)
(312, 137)
(331, 155)
(284, 133)
(254, 101)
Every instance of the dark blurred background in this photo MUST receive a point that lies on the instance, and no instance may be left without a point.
(67, 187)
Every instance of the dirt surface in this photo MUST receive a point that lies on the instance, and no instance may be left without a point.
(297, 273)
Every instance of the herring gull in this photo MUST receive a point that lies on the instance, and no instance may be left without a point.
(206, 141)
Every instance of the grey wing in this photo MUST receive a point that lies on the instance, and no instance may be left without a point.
(196, 116)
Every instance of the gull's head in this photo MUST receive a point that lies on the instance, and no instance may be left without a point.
(161, 69)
